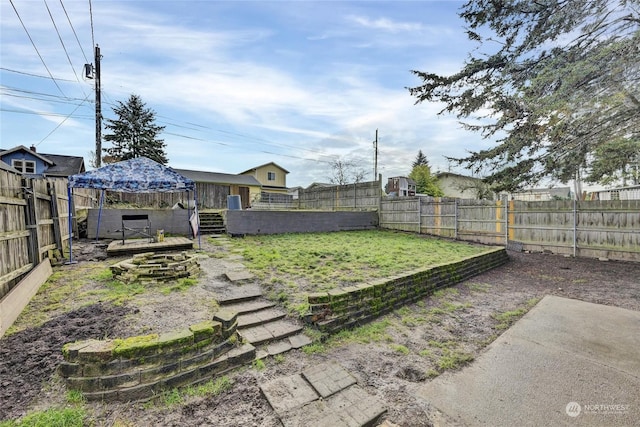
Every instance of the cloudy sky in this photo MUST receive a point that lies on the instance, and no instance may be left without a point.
(238, 83)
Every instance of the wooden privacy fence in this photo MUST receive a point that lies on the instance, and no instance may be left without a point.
(608, 229)
(33, 222)
(359, 196)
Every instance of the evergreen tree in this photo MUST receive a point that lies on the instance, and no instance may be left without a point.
(134, 133)
(550, 82)
(421, 159)
(425, 182)
(615, 162)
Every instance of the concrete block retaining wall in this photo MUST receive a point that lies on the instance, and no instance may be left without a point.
(172, 221)
(352, 306)
(138, 368)
(276, 222)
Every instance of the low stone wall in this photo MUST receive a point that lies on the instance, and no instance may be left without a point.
(351, 306)
(151, 267)
(140, 367)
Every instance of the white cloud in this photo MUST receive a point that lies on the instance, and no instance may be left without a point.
(285, 83)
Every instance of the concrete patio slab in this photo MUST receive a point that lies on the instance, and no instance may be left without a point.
(566, 362)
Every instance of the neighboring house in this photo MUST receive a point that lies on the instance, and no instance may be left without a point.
(272, 177)
(463, 187)
(33, 164)
(401, 186)
(213, 188)
(6, 167)
(622, 193)
(543, 194)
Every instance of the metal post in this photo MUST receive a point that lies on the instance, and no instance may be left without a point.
(455, 219)
(506, 222)
(575, 227)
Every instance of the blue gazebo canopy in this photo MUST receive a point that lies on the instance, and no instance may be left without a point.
(137, 175)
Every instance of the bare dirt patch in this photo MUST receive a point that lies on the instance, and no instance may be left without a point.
(420, 341)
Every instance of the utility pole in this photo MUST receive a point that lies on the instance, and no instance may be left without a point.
(375, 157)
(98, 110)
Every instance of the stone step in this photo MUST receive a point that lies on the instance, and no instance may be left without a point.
(248, 306)
(239, 295)
(260, 317)
(269, 332)
(282, 346)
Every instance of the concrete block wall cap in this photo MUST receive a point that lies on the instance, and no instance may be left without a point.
(176, 338)
(70, 350)
(96, 351)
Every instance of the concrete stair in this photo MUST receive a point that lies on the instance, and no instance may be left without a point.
(262, 324)
(212, 223)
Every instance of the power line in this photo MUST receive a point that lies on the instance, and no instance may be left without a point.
(35, 75)
(40, 99)
(30, 92)
(61, 123)
(34, 46)
(74, 32)
(42, 113)
(62, 43)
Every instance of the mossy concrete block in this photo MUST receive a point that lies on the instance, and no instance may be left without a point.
(138, 346)
(140, 392)
(111, 382)
(318, 298)
(366, 290)
(159, 372)
(70, 350)
(84, 384)
(227, 318)
(181, 379)
(337, 295)
(96, 351)
(103, 396)
(67, 369)
(205, 330)
(109, 368)
(171, 340)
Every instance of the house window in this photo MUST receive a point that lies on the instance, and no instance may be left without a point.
(24, 166)
(271, 176)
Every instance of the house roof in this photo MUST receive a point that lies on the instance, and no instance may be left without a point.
(6, 167)
(320, 184)
(219, 178)
(23, 148)
(58, 164)
(455, 175)
(137, 175)
(64, 165)
(266, 164)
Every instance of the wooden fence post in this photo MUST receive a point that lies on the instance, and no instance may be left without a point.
(31, 221)
(55, 216)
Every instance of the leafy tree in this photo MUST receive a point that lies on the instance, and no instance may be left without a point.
(421, 159)
(615, 161)
(134, 133)
(550, 82)
(345, 172)
(425, 182)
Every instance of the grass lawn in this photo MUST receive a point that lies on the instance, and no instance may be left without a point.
(292, 265)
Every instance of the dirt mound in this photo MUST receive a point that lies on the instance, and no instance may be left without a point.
(29, 358)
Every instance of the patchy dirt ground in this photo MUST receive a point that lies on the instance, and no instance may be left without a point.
(410, 346)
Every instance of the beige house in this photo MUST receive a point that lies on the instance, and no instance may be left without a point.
(272, 177)
(213, 188)
(463, 187)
